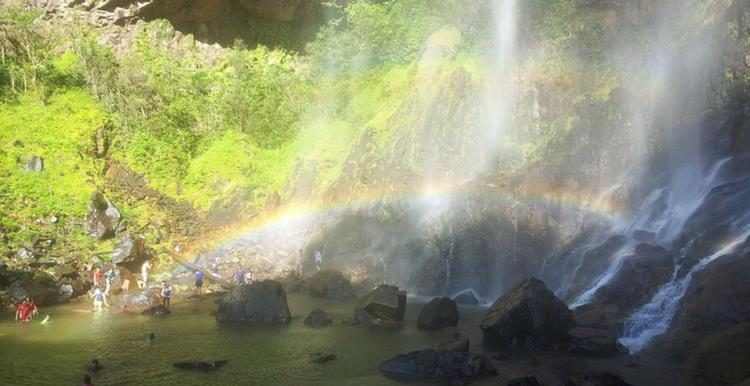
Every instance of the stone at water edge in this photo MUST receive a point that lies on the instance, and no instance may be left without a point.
(527, 313)
(329, 284)
(438, 313)
(261, 302)
(460, 343)
(437, 365)
(318, 318)
(386, 303)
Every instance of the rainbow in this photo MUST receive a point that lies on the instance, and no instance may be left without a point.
(438, 193)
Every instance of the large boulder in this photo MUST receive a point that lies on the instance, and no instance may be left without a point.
(722, 360)
(438, 313)
(260, 302)
(329, 284)
(318, 318)
(157, 310)
(437, 366)
(130, 253)
(102, 218)
(527, 312)
(384, 304)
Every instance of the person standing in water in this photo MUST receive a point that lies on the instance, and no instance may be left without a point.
(23, 311)
(145, 268)
(100, 300)
(318, 260)
(198, 282)
(32, 307)
(166, 294)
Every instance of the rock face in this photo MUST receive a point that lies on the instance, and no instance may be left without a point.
(386, 303)
(102, 218)
(467, 298)
(318, 318)
(528, 311)
(593, 342)
(437, 366)
(260, 302)
(329, 284)
(438, 313)
(722, 360)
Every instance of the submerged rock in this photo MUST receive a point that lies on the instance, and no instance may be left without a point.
(260, 302)
(318, 318)
(467, 298)
(438, 313)
(329, 284)
(527, 312)
(200, 365)
(158, 310)
(384, 304)
(460, 343)
(437, 365)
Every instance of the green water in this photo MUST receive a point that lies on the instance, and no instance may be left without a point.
(57, 353)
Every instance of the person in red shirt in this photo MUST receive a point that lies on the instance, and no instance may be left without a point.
(23, 312)
(98, 277)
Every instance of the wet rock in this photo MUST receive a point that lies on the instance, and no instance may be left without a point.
(157, 310)
(34, 164)
(24, 254)
(593, 342)
(322, 358)
(438, 313)
(329, 284)
(528, 312)
(260, 302)
(723, 359)
(318, 318)
(437, 366)
(644, 236)
(200, 365)
(466, 298)
(102, 218)
(66, 292)
(138, 299)
(386, 303)
(460, 343)
(524, 381)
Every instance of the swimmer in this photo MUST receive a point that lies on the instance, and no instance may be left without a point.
(45, 320)
(94, 366)
(151, 338)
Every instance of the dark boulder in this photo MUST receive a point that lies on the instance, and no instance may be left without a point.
(384, 304)
(466, 298)
(593, 342)
(200, 365)
(158, 310)
(438, 313)
(527, 312)
(524, 381)
(318, 318)
(329, 284)
(260, 302)
(102, 217)
(598, 379)
(437, 366)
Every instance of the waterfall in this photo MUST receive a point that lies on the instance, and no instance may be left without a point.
(654, 318)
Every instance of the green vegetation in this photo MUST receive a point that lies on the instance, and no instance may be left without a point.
(232, 128)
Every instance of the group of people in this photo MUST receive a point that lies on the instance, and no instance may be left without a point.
(26, 310)
(243, 277)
